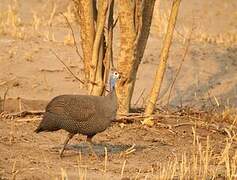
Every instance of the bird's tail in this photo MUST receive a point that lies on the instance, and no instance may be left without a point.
(48, 123)
(39, 129)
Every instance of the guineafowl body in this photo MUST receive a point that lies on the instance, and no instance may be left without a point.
(83, 114)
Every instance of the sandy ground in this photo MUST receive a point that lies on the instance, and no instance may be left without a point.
(30, 71)
(26, 155)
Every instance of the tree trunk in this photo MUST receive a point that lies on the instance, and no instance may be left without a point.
(91, 16)
(85, 16)
(135, 21)
(96, 67)
(126, 55)
(163, 59)
(108, 59)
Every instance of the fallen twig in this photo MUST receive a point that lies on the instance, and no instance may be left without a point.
(28, 119)
(22, 114)
(51, 70)
(155, 116)
(183, 124)
(166, 126)
(3, 83)
(222, 129)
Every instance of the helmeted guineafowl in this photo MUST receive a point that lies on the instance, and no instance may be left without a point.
(83, 114)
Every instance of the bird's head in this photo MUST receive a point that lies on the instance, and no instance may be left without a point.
(114, 76)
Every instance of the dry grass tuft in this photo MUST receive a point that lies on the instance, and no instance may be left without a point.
(202, 163)
(161, 23)
(11, 23)
(42, 26)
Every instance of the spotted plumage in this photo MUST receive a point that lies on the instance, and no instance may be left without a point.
(83, 114)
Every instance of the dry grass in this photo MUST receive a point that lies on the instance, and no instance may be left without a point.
(11, 23)
(201, 164)
(161, 22)
(202, 161)
(43, 26)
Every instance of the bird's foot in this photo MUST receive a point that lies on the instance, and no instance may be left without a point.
(92, 152)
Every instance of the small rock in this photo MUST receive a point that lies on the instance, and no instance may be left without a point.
(16, 84)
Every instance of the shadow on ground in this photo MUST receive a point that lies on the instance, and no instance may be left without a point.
(99, 149)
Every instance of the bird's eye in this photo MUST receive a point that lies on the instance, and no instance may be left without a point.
(116, 73)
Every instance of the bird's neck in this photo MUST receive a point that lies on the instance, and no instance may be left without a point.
(112, 84)
(112, 93)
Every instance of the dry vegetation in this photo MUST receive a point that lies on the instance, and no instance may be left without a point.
(11, 23)
(226, 39)
(222, 38)
(184, 143)
(205, 148)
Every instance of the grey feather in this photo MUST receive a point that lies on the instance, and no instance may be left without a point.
(83, 114)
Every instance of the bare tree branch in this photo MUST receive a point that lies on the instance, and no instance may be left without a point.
(96, 46)
(67, 67)
(73, 35)
(188, 39)
(108, 59)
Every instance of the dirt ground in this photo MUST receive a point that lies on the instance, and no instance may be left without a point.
(33, 75)
(144, 150)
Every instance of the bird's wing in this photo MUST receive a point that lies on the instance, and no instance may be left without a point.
(56, 105)
(81, 108)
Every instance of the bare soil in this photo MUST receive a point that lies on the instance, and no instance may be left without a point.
(26, 155)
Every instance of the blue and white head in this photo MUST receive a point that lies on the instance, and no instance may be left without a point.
(114, 76)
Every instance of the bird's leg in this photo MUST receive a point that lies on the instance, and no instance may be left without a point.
(89, 140)
(70, 135)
